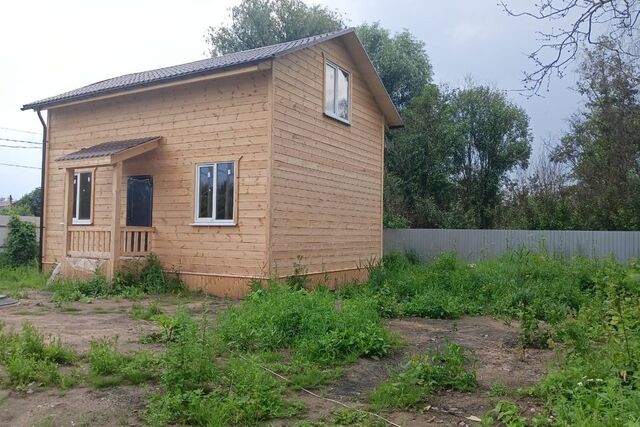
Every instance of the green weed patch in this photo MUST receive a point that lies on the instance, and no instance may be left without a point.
(28, 358)
(423, 376)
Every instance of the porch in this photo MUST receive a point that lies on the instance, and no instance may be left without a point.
(101, 234)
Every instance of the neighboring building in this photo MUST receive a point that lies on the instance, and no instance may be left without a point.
(227, 168)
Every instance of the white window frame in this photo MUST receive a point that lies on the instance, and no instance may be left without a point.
(75, 220)
(331, 114)
(213, 221)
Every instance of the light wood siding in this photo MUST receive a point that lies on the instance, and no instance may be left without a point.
(327, 176)
(215, 120)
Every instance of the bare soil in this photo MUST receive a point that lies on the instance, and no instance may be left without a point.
(490, 344)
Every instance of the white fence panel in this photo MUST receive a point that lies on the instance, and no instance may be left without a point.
(477, 244)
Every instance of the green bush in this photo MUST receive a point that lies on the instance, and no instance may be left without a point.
(423, 376)
(22, 244)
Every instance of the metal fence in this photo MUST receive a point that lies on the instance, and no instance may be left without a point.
(477, 244)
(4, 228)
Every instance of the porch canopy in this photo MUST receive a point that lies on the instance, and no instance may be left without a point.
(109, 153)
(96, 242)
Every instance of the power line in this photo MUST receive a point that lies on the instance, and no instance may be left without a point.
(19, 166)
(15, 146)
(20, 130)
(21, 140)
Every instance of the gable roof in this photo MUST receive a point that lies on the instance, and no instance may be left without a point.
(219, 64)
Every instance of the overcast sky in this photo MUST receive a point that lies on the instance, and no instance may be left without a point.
(50, 47)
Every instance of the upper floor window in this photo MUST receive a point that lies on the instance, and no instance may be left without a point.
(82, 187)
(215, 193)
(337, 93)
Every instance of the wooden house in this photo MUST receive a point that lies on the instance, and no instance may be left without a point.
(228, 169)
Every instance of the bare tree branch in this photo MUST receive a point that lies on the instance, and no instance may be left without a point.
(578, 23)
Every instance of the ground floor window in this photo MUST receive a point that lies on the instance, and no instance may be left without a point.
(82, 188)
(215, 193)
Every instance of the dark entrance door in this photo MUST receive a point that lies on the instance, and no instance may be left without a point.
(139, 200)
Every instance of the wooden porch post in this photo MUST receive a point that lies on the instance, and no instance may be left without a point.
(66, 211)
(115, 219)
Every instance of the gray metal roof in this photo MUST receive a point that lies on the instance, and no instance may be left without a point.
(183, 71)
(106, 149)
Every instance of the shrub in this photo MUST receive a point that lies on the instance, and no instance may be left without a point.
(146, 277)
(22, 245)
(423, 376)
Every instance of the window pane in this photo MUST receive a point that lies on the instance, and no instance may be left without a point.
(75, 195)
(342, 104)
(205, 192)
(329, 89)
(224, 193)
(84, 207)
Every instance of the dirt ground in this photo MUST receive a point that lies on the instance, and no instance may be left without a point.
(490, 344)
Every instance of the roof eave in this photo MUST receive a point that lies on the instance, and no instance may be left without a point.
(38, 105)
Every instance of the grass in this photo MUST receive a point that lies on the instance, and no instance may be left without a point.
(15, 281)
(199, 388)
(29, 358)
(149, 312)
(108, 367)
(448, 288)
(134, 281)
(588, 309)
(216, 373)
(423, 376)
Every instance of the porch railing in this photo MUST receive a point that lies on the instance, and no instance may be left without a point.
(89, 242)
(95, 242)
(136, 241)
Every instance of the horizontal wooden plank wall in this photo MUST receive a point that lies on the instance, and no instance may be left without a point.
(216, 120)
(327, 176)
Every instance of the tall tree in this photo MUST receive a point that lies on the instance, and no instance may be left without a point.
(257, 23)
(401, 61)
(602, 148)
(448, 166)
(418, 162)
(493, 139)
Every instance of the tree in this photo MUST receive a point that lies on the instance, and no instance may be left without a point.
(539, 199)
(257, 23)
(448, 166)
(418, 161)
(492, 139)
(576, 24)
(27, 205)
(602, 149)
(400, 60)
